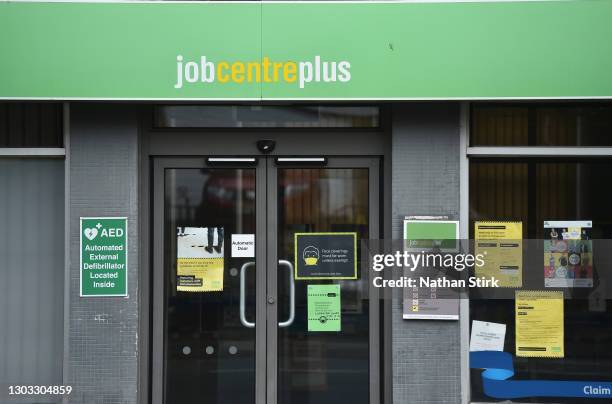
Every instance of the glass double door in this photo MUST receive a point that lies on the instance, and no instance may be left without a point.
(232, 323)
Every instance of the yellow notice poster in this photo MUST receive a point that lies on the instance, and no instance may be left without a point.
(199, 264)
(501, 243)
(539, 324)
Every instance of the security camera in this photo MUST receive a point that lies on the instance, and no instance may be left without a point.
(266, 146)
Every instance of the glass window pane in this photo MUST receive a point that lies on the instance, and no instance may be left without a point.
(31, 271)
(31, 124)
(532, 191)
(243, 116)
(546, 125)
(317, 367)
(209, 354)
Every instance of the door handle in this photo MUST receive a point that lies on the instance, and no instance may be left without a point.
(243, 319)
(289, 321)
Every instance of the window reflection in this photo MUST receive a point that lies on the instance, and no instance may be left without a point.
(323, 367)
(533, 191)
(541, 125)
(208, 352)
(244, 116)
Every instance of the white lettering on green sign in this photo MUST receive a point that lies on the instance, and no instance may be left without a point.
(103, 263)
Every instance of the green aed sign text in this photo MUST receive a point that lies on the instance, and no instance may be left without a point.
(103, 256)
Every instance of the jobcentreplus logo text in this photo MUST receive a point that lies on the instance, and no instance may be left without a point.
(207, 71)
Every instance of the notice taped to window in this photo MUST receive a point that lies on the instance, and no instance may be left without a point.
(568, 254)
(199, 264)
(243, 246)
(487, 336)
(502, 245)
(324, 308)
(539, 324)
(325, 256)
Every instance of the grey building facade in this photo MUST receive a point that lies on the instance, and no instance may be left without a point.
(189, 190)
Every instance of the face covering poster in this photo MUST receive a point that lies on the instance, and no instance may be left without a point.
(199, 263)
(568, 254)
(325, 256)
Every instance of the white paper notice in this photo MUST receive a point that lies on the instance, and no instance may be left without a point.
(487, 336)
(243, 245)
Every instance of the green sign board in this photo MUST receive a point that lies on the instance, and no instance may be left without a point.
(324, 308)
(427, 234)
(305, 50)
(103, 264)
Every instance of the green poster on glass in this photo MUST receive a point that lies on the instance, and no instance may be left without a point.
(103, 256)
(324, 308)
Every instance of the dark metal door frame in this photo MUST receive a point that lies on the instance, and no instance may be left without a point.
(158, 366)
(373, 165)
(160, 149)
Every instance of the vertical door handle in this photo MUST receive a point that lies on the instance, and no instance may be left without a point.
(289, 267)
(243, 319)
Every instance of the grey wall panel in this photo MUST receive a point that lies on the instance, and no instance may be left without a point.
(31, 272)
(425, 181)
(103, 182)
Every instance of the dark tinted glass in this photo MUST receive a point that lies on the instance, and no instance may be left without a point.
(545, 125)
(244, 116)
(323, 367)
(209, 355)
(534, 191)
(31, 125)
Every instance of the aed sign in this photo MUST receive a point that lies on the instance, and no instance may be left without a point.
(103, 263)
